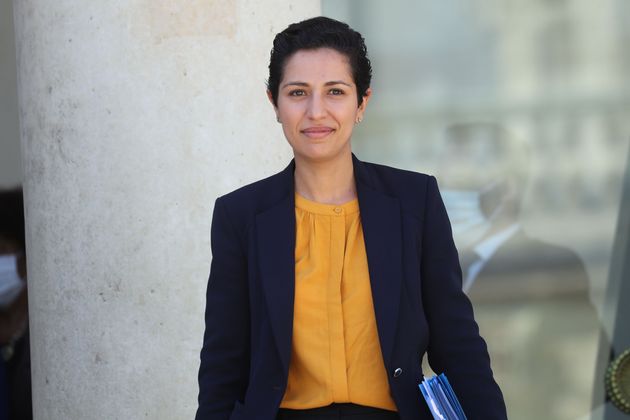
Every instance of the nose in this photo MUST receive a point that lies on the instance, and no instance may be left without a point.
(316, 107)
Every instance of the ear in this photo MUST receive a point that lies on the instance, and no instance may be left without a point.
(364, 102)
(275, 108)
(270, 97)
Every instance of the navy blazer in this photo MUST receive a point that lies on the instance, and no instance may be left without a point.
(416, 288)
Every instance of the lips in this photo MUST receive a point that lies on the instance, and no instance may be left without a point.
(317, 132)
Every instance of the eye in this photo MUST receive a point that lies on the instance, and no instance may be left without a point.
(336, 91)
(297, 92)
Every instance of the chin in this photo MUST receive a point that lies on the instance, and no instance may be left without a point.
(317, 154)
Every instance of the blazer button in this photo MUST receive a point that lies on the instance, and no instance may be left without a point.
(397, 372)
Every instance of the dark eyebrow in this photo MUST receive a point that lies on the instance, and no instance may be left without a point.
(304, 84)
(338, 82)
(294, 84)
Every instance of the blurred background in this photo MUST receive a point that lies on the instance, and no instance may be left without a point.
(521, 109)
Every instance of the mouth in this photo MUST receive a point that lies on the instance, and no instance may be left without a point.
(317, 132)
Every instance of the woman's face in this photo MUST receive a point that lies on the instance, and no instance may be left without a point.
(317, 104)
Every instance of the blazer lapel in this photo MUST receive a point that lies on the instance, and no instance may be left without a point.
(381, 221)
(276, 257)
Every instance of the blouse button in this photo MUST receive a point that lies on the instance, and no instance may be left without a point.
(337, 210)
(397, 372)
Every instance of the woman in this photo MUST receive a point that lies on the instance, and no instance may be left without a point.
(331, 279)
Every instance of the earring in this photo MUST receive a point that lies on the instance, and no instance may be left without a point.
(359, 119)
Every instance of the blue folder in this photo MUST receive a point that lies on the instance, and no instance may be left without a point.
(441, 399)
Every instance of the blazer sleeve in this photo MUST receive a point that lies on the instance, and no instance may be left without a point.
(455, 346)
(224, 367)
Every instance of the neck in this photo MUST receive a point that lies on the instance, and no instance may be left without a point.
(329, 182)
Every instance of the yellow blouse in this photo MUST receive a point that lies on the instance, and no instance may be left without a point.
(335, 353)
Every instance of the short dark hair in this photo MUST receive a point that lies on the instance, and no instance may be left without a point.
(320, 32)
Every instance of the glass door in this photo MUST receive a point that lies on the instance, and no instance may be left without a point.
(521, 110)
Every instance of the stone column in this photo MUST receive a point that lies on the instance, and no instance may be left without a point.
(134, 116)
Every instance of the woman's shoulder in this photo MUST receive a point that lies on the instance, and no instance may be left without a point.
(261, 194)
(401, 183)
(413, 190)
(394, 173)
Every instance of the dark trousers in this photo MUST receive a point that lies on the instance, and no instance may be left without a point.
(338, 411)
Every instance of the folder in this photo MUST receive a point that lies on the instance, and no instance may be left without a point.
(441, 399)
